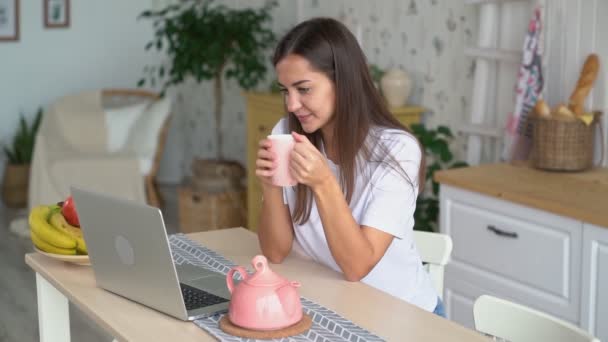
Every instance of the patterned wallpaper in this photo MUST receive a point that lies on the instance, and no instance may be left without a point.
(425, 38)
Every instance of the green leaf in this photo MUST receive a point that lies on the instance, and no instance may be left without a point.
(458, 164)
(445, 131)
(446, 155)
(21, 150)
(9, 155)
(417, 129)
(145, 14)
(437, 148)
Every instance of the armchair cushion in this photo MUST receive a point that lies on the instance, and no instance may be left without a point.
(143, 136)
(119, 122)
(77, 144)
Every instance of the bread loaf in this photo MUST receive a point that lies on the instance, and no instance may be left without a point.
(563, 113)
(584, 85)
(542, 109)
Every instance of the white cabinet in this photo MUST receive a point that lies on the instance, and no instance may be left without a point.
(594, 300)
(549, 262)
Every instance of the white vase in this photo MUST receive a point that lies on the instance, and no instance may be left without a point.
(396, 86)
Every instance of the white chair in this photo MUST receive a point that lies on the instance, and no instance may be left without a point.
(518, 323)
(435, 250)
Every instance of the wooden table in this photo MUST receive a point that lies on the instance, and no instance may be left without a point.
(390, 318)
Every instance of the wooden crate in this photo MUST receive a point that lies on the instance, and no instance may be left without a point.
(202, 211)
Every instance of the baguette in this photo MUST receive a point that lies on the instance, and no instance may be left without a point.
(584, 85)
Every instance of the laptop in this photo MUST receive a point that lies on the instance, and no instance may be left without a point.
(130, 256)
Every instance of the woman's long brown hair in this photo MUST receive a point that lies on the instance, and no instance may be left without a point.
(332, 49)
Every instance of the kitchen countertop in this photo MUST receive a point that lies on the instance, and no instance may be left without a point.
(580, 195)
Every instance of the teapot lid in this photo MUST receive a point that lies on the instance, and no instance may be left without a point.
(263, 276)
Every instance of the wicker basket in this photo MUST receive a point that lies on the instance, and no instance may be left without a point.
(563, 145)
(202, 211)
(15, 185)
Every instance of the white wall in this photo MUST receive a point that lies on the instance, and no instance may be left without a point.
(103, 47)
(577, 28)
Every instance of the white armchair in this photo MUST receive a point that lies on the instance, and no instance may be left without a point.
(106, 140)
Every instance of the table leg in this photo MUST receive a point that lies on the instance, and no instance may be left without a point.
(53, 312)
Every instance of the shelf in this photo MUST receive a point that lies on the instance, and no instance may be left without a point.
(487, 131)
(481, 2)
(510, 56)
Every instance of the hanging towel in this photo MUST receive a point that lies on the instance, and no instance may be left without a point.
(530, 82)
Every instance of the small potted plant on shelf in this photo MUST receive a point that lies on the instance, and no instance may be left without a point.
(17, 169)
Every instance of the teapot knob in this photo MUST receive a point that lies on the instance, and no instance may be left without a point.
(260, 263)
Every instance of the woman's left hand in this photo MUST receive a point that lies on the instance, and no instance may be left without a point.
(308, 165)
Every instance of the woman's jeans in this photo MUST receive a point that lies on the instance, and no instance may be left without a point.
(439, 309)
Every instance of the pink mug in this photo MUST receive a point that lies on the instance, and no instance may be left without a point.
(282, 145)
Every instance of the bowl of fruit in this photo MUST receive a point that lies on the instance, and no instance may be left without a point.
(55, 232)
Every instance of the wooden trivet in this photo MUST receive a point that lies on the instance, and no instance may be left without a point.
(304, 324)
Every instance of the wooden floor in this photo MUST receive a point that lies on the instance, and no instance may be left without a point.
(18, 311)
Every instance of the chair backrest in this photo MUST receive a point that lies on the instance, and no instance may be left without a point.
(516, 322)
(435, 250)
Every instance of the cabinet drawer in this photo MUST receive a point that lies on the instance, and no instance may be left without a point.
(464, 284)
(529, 253)
(516, 252)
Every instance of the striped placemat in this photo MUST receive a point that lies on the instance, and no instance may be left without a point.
(327, 325)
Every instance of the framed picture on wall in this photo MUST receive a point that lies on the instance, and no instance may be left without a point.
(9, 20)
(56, 13)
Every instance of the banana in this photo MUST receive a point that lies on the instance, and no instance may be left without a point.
(47, 247)
(47, 233)
(58, 221)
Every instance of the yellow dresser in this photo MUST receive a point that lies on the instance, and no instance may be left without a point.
(264, 110)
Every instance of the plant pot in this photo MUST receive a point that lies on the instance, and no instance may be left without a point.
(396, 86)
(210, 175)
(15, 185)
(215, 197)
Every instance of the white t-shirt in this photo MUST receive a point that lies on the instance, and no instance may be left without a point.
(384, 200)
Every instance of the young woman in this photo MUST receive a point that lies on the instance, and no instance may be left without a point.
(357, 168)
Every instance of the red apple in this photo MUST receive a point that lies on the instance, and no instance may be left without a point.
(68, 209)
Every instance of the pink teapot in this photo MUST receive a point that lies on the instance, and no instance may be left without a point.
(263, 300)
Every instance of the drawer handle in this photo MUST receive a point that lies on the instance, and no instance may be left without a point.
(262, 128)
(501, 232)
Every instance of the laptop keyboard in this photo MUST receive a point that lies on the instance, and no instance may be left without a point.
(196, 298)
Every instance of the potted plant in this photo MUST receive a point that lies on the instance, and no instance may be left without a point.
(210, 42)
(17, 169)
(438, 157)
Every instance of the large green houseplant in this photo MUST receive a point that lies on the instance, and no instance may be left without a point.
(15, 182)
(438, 157)
(207, 41)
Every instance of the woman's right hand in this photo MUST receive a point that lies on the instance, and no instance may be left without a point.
(265, 164)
